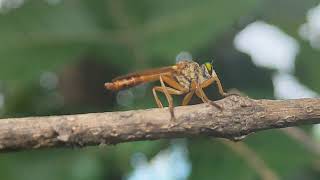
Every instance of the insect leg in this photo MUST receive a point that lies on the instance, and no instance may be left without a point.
(168, 96)
(221, 91)
(220, 88)
(167, 91)
(187, 98)
(200, 93)
(160, 89)
(173, 83)
(154, 89)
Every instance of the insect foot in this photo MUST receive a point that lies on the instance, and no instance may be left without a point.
(212, 103)
(172, 116)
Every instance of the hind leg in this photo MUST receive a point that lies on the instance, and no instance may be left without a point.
(168, 91)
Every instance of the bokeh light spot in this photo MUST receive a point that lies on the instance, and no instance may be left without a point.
(184, 55)
(125, 98)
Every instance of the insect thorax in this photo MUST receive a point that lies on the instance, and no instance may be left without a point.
(191, 72)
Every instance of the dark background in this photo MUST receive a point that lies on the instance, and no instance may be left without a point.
(56, 55)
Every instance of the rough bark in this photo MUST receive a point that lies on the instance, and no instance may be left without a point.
(240, 116)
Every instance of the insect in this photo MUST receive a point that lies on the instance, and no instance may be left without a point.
(186, 77)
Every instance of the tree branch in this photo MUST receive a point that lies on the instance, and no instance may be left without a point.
(240, 117)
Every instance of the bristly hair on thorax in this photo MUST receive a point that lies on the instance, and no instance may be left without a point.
(192, 71)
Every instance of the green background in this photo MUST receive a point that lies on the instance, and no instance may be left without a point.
(87, 43)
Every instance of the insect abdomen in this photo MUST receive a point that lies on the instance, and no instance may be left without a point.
(130, 82)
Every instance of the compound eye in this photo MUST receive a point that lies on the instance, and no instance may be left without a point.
(209, 67)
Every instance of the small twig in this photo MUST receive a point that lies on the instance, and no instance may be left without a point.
(253, 160)
(240, 117)
(303, 138)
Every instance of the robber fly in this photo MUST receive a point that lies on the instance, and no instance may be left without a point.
(186, 77)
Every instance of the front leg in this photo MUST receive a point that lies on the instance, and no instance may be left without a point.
(200, 93)
(219, 85)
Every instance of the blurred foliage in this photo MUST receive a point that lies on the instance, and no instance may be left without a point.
(308, 67)
(89, 42)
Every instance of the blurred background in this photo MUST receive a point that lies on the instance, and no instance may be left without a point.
(56, 55)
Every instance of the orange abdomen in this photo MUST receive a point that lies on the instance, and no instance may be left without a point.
(119, 84)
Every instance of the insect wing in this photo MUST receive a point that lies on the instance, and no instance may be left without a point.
(148, 72)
